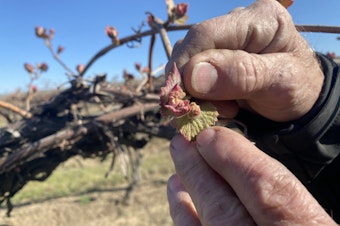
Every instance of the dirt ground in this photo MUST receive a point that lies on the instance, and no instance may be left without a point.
(147, 206)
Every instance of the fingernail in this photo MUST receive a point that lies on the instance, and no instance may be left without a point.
(175, 184)
(204, 77)
(205, 137)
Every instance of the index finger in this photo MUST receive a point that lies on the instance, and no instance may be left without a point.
(268, 190)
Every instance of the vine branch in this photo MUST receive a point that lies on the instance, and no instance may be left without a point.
(57, 58)
(15, 109)
(102, 52)
(69, 134)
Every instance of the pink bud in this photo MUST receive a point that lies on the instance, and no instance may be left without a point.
(172, 97)
(127, 76)
(29, 68)
(112, 33)
(138, 66)
(51, 34)
(34, 88)
(40, 32)
(146, 69)
(331, 55)
(60, 49)
(43, 67)
(149, 20)
(80, 68)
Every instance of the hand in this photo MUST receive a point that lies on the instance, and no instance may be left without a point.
(252, 58)
(223, 179)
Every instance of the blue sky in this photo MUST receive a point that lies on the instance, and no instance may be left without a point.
(80, 25)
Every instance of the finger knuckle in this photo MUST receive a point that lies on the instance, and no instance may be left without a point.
(278, 194)
(219, 213)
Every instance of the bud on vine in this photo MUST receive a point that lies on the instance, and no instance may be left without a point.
(146, 70)
(40, 32)
(138, 66)
(51, 34)
(181, 9)
(177, 13)
(60, 49)
(29, 68)
(34, 88)
(149, 20)
(42, 67)
(80, 68)
(112, 33)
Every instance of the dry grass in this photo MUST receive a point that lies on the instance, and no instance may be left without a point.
(77, 193)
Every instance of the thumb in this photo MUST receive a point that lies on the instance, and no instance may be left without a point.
(226, 75)
(275, 85)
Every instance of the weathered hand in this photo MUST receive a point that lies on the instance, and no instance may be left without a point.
(252, 58)
(223, 179)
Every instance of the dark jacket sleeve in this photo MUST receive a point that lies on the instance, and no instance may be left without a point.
(309, 146)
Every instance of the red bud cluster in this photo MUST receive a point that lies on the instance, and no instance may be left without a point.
(181, 9)
(177, 14)
(185, 114)
(173, 98)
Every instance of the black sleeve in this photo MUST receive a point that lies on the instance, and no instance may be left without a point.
(309, 146)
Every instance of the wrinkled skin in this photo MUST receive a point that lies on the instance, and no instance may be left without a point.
(223, 179)
(259, 61)
(250, 58)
